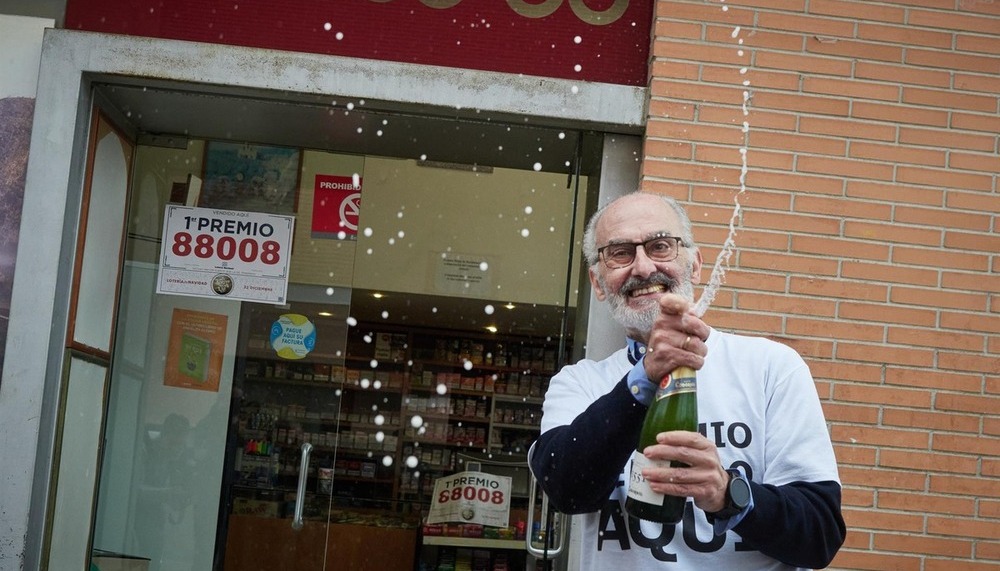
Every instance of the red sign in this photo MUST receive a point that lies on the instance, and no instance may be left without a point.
(590, 40)
(336, 206)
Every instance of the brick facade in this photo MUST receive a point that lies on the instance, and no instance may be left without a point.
(868, 239)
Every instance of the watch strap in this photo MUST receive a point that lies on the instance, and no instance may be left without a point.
(730, 508)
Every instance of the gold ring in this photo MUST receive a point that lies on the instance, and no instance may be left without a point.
(684, 345)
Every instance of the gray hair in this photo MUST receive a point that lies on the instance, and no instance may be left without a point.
(590, 233)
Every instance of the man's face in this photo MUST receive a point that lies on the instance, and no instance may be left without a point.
(633, 292)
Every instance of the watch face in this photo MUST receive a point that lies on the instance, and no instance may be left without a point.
(739, 491)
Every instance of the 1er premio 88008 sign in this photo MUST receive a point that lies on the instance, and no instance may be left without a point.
(225, 253)
(471, 497)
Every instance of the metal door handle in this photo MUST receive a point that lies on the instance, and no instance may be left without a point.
(300, 493)
(557, 527)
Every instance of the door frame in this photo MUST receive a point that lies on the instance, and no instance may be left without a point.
(71, 62)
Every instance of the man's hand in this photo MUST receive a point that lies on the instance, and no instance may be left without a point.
(677, 338)
(704, 479)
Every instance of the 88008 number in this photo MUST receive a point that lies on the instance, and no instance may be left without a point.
(471, 493)
(226, 248)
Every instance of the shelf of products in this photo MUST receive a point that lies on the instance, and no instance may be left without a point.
(474, 542)
(387, 414)
(476, 557)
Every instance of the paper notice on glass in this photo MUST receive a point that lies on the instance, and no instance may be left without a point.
(471, 497)
(462, 274)
(195, 351)
(225, 253)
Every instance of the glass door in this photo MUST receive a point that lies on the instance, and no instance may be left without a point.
(463, 298)
(221, 432)
(432, 293)
(283, 440)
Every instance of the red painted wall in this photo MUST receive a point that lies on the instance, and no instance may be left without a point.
(488, 35)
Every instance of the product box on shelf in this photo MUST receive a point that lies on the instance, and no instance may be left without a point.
(390, 346)
(321, 372)
(259, 508)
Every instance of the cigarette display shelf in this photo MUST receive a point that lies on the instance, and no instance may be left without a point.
(387, 413)
(474, 542)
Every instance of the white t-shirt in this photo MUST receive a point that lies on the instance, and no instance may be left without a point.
(756, 400)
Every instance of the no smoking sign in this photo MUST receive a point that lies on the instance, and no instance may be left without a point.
(336, 206)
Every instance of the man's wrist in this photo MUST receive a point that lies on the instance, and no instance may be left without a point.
(639, 385)
(738, 501)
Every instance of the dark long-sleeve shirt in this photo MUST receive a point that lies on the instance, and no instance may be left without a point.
(579, 465)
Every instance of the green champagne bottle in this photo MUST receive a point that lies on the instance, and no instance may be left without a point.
(674, 407)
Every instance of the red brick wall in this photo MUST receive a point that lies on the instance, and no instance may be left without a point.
(869, 237)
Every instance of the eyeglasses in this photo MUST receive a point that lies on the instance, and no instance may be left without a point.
(659, 249)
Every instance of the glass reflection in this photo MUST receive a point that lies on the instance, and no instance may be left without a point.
(435, 289)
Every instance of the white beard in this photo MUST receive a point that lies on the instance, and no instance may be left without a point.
(641, 319)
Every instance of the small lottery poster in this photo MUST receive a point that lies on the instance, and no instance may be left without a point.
(471, 497)
(225, 253)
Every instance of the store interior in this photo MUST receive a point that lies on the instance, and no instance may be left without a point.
(439, 317)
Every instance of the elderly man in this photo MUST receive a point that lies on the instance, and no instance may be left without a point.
(760, 472)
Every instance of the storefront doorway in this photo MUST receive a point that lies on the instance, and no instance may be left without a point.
(84, 302)
(433, 284)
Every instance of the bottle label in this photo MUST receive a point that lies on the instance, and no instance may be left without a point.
(638, 487)
(676, 383)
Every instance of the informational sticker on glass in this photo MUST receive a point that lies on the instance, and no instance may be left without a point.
(293, 336)
(471, 497)
(336, 206)
(462, 274)
(225, 253)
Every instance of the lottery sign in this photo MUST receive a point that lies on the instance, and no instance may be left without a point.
(471, 497)
(225, 253)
